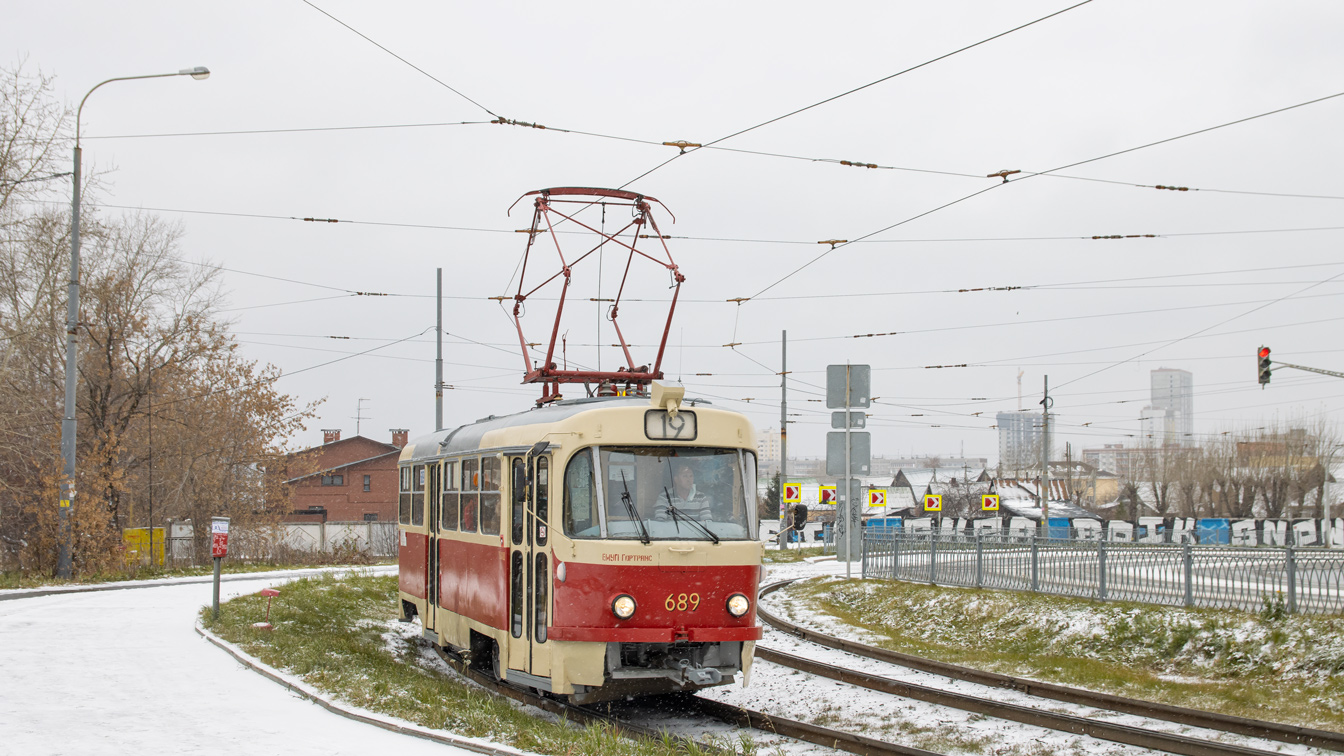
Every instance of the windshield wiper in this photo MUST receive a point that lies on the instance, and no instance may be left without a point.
(630, 507)
(672, 510)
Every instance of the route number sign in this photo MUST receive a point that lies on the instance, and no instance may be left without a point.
(933, 503)
(989, 502)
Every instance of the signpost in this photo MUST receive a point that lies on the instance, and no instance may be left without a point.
(793, 493)
(989, 502)
(219, 548)
(847, 387)
(877, 497)
(933, 503)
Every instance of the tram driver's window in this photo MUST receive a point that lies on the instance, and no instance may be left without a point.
(490, 477)
(471, 481)
(580, 505)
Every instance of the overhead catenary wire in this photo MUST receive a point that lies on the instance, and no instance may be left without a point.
(860, 88)
(1005, 182)
(427, 74)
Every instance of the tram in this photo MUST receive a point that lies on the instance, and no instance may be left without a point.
(592, 548)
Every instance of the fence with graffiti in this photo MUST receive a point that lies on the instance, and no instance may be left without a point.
(1290, 578)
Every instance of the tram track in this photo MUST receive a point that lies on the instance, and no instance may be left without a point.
(1145, 738)
(726, 713)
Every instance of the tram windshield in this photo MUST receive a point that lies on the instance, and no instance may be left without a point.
(661, 494)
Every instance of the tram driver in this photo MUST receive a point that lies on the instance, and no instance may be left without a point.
(685, 499)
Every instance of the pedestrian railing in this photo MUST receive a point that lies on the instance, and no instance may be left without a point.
(1280, 579)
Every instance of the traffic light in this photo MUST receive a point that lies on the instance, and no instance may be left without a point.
(799, 515)
(1263, 357)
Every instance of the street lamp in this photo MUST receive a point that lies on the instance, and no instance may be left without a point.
(63, 564)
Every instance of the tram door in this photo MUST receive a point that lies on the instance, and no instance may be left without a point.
(529, 564)
(432, 514)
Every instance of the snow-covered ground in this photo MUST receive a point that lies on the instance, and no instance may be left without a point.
(124, 672)
(789, 693)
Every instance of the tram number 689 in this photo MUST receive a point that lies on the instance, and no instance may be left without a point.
(680, 602)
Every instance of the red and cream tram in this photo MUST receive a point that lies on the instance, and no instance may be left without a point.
(593, 548)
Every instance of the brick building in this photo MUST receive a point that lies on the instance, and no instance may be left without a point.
(345, 480)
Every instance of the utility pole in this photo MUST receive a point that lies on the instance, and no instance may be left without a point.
(438, 360)
(1046, 404)
(783, 433)
(850, 520)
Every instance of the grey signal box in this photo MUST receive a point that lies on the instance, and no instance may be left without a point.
(860, 453)
(859, 386)
(856, 420)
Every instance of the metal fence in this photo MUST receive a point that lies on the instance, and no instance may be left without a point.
(1291, 579)
(293, 539)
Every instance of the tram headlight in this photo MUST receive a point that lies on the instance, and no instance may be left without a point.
(738, 605)
(623, 606)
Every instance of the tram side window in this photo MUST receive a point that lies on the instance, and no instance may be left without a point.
(580, 510)
(542, 599)
(518, 497)
(490, 477)
(418, 495)
(404, 507)
(471, 481)
(450, 498)
(542, 487)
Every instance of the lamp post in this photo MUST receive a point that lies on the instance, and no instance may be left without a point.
(63, 564)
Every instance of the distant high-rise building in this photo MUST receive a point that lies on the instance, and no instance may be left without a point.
(1020, 437)
(1173, 391)
(767, 451)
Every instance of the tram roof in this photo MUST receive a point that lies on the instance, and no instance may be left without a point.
(465, 438)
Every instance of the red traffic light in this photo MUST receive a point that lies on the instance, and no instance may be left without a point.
(1264, 352)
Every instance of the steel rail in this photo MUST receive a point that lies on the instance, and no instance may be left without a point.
(1118, 733)
(1192, 717)
(824, 736)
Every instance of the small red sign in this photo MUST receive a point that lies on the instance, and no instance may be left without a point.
(219, 545)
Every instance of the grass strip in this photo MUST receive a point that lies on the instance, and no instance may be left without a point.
(1270, 665)
(341, 636)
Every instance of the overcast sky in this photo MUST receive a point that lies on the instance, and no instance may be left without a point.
(1229, 270)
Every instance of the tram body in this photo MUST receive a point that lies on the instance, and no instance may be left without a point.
(555, 549)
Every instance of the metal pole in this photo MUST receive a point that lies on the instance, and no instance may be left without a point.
(63, 564)
(783, 433)
(215, 603)
(1188, 558)
(150, 363)
(1325, 498)
(438, 360)
(849, 505)
(1045, 458)
(1291, 558)
(1101, 568)
(979, 561)
(1035, 563)
(63, 560)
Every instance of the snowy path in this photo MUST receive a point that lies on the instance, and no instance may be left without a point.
(122, 672)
